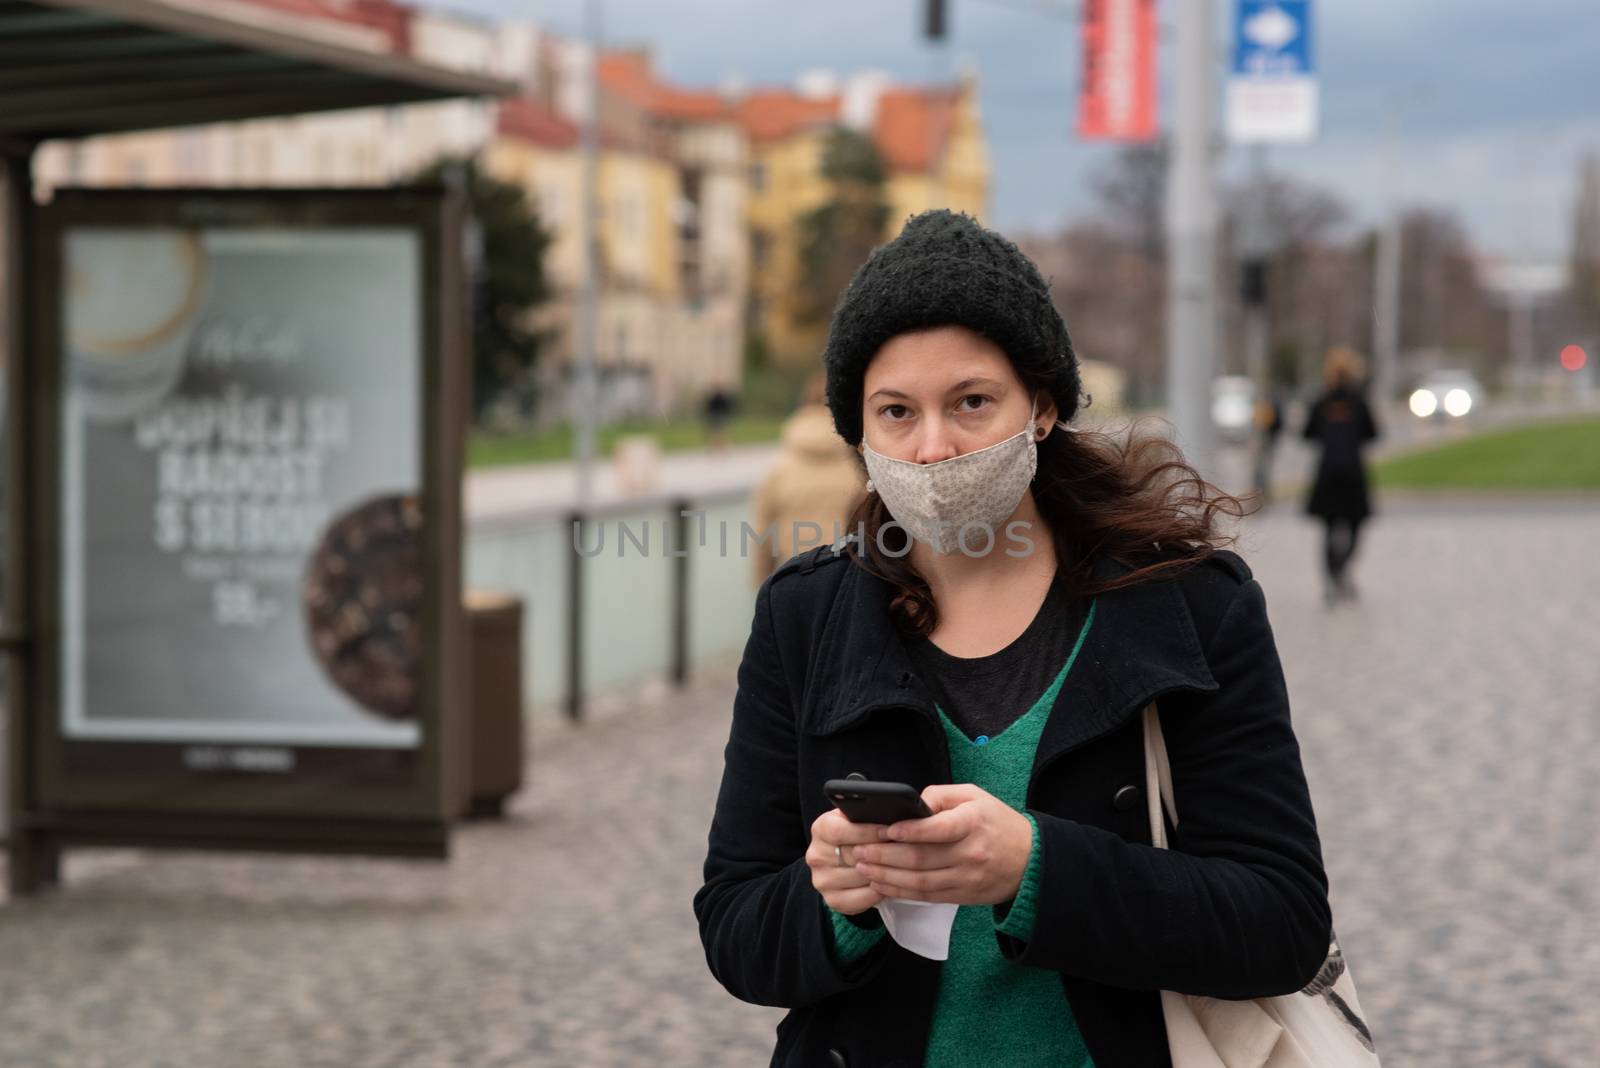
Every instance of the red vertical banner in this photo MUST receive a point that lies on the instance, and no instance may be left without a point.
(1117, 91)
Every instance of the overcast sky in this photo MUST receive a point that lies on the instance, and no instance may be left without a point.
(1495, 101)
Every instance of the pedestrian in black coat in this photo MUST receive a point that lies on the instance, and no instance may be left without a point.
(1341, 420)
(900, 657)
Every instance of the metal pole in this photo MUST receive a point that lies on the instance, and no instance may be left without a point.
(585, 394)
(35, 862)
(14, 203)
(575, 524)
(1255, 246)
(1191, 239)
(938, 160)
(1386, 275)
(1521, 323)
(1386, 272)
(14, 206)
(680, 593)
(584, 382)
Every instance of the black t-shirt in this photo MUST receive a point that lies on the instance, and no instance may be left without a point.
(986, 694)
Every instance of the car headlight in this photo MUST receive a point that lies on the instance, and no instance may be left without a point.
(1458, 402)
(1423, 403)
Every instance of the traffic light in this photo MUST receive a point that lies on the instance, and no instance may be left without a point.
(1253, 281)
(934, 26)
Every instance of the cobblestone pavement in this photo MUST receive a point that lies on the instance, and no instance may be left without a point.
(1450, 722)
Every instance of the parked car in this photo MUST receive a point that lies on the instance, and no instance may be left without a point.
(1446, 395)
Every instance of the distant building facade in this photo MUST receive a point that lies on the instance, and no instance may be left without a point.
(934, 150)
(698, 191)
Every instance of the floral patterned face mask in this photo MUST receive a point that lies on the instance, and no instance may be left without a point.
(960, 502)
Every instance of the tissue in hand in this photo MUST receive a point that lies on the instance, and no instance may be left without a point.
(923, 927)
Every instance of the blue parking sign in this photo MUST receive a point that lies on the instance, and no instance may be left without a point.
(1272, 38)
(1271, 93)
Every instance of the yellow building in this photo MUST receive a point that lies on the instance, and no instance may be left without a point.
(934, 147)
(934, 151)
(688, 155)
(671, 239)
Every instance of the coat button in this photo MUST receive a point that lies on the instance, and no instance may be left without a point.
(1125, 798)
(837, 1059)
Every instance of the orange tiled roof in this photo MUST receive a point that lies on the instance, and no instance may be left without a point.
(629, 74)
(522, 118)
(913, 125)
(771, 114)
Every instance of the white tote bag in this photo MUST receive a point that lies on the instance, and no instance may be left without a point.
(1320, 1027)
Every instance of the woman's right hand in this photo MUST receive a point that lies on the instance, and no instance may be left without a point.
(844, 889)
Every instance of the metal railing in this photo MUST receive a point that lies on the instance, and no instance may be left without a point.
(680, 508)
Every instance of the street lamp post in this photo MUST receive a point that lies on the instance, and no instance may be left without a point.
(1386, 273)
(1386, 277)
(585, 384)
(1254, 245)
(1191, 229)
(936, 30)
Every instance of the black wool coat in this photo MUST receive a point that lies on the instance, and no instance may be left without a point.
(1237, 908)
(1342, 420)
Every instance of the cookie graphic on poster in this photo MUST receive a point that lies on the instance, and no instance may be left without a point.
(362, 596)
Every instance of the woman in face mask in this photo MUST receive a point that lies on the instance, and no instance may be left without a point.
(1013, 594)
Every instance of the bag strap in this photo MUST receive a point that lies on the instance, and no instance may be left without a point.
(1157, 778)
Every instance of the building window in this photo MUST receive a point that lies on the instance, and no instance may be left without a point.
(758, 177)
(628, 215)
(550, 205)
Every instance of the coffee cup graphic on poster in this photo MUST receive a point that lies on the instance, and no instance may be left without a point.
(132, 301)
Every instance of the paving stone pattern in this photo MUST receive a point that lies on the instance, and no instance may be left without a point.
(1450, 724)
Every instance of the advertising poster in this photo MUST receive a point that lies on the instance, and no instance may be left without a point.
(240, 465)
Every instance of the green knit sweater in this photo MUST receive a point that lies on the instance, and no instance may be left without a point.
(990, 1010)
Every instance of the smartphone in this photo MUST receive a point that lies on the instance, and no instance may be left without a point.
(864, 801)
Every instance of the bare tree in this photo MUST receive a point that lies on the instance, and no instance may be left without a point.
(1443, 302)
(1585, 274)
(1132, 190)
(1107, 277)
(1309, 274)
(1108, 291)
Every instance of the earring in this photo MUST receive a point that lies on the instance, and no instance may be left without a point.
(870, 487)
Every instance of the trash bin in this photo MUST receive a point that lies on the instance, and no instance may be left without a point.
(494, 701)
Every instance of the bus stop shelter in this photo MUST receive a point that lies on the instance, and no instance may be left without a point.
(79, 68)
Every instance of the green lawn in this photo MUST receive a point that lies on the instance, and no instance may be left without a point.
(491, 450)
(1559, 455)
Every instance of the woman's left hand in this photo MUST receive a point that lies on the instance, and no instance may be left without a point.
(971, 851)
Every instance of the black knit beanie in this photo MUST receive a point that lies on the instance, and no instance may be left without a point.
(944, 269)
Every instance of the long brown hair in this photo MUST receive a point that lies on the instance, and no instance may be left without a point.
(1129, 496)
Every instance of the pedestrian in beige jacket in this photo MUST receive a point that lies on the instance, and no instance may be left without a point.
(816, 478)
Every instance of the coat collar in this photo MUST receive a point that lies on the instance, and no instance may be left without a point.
(1142, 644)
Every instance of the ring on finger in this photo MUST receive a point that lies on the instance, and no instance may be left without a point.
(838, 856)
